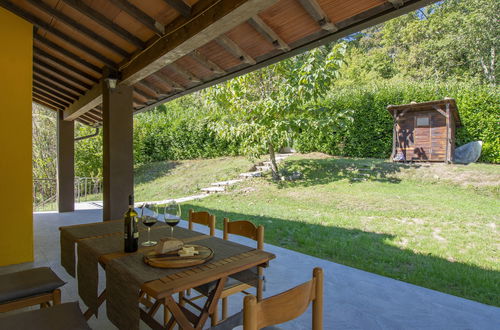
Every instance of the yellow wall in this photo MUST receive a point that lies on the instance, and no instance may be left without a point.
(16, 216)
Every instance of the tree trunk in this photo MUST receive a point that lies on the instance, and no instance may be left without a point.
(272, 158)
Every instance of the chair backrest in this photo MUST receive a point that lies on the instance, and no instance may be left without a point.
(286, 306)
(202, 218)
(246, 229)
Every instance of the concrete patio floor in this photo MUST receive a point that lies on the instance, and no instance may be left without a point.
(354, 299)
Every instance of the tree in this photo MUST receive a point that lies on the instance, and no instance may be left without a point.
(267, 107)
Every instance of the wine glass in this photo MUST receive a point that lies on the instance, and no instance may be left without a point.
(149, 221)
(172, 215)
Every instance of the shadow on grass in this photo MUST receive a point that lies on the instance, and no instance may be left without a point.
(152, 171)
(373, 252)
(327, 170)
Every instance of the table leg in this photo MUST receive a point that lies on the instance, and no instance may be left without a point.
(90, 312)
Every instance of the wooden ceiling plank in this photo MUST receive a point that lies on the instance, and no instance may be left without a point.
(65, 52)
(86, 102)
(94, 117)
(184, 72)
(52, 93)
(233, 48)
(317, 13)
(140, 16)
(47, 27)
(87, 120)
(139, 98)
(258, 24)
(70, 79)
(49, 85)
(204, 61)
(166, 80)
(40, 54)
(80, 28)
(180, 6)
(105, 22)
(84, 122)
(62, 84)
(46, 97)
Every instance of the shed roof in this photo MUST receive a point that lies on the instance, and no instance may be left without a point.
(430, 105)
(169, 48)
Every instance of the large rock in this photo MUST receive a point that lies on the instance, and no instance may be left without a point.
(468, 153)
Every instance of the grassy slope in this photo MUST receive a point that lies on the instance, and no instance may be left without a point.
(432, 226)
(163, 180)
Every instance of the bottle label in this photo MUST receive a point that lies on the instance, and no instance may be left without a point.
(136, 235)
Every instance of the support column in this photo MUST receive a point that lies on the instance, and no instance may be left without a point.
(65, 164)
(118, 150)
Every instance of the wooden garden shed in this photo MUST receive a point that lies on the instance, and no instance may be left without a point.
(424, 131)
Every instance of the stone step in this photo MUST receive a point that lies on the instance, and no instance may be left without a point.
(263, 168)
(226, 183)
(213, 189)
(251, 174)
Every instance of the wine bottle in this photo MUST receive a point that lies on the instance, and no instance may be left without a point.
(131, 227)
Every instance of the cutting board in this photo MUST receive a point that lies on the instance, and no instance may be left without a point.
(173, 260)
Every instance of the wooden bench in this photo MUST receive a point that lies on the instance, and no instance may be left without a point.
(59, 317)
(28, 288)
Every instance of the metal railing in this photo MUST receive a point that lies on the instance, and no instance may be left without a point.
(45, 192)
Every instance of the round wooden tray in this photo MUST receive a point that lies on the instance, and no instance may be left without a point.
(173, 260)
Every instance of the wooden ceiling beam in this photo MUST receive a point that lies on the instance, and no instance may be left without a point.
(148, 89)
(62, 75)
(46, 57)
(140, 16)
(139, 98)
(80, 28)
(47, 27)
(52, 93)
(66, 53)
(180, 6)
(94, 116)
(142, 95)
(50, 104)
(258, 24)
(49, 85)
(167, 81)
(184, 73)
(44, 96)
(235, 50)
(88, 101)
(207, 21)
(105, 22)
(87, 120)
(205, 62)
(317, 13)
(61, 83)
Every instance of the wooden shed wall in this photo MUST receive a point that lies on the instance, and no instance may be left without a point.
(426, 143)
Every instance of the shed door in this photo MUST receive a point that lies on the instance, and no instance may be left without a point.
(422, 147)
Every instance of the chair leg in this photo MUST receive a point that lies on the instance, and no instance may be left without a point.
(215, 316)
(56, 297)
(181, 298)
(224, 308)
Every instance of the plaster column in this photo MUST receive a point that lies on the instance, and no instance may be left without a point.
(65, 164)
(118, 150)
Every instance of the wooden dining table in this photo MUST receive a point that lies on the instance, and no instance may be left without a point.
(132, 284)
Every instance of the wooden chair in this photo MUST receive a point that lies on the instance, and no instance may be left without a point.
(28, 288)
(280, 308)
(202, 218)
(286, 306)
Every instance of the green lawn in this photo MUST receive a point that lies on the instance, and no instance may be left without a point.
(436, 226)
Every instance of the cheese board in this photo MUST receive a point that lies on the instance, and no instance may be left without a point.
(172, 259)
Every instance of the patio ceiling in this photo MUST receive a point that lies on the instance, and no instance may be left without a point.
(169, 48)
